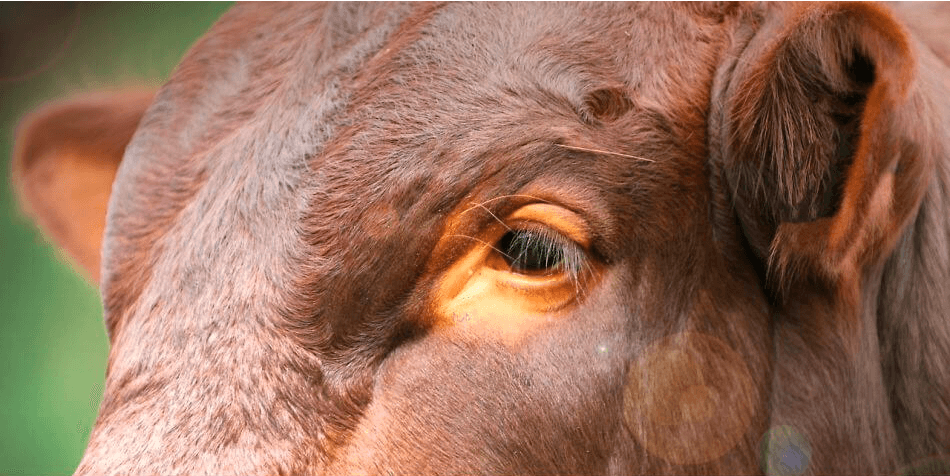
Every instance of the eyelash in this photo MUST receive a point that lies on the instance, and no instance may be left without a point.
(537, 250)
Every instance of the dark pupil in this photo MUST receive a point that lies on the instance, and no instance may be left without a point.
(530, 252)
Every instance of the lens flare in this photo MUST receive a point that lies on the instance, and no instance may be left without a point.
(785, 451)
(689, 398)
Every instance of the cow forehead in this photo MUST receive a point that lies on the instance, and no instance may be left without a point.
(272, 134)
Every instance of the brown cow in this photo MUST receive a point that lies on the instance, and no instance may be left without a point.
(519, 239)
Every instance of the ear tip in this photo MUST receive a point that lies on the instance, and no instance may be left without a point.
(60, 122)
(30, 136)
(26, 140)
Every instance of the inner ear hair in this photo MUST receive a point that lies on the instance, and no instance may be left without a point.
(813, 140)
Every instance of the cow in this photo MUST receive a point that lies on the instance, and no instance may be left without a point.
(532, 239)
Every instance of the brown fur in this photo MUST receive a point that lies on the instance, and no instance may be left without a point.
(766, 190)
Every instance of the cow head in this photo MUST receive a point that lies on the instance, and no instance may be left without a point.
(516, 239)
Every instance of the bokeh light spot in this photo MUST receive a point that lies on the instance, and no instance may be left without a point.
(689, 398)
(785, 451)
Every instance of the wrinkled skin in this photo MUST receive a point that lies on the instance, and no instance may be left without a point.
(308, 255)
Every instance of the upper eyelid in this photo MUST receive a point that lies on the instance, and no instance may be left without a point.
(544, 227)
(590, 213)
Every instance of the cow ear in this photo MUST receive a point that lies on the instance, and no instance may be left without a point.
(64, 162)
(829, 137)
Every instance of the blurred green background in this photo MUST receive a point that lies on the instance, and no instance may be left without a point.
(53, 345)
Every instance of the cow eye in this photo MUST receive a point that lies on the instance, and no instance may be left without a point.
(533, 251)
(520, 271)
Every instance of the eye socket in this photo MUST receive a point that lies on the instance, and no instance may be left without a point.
(520, 271)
